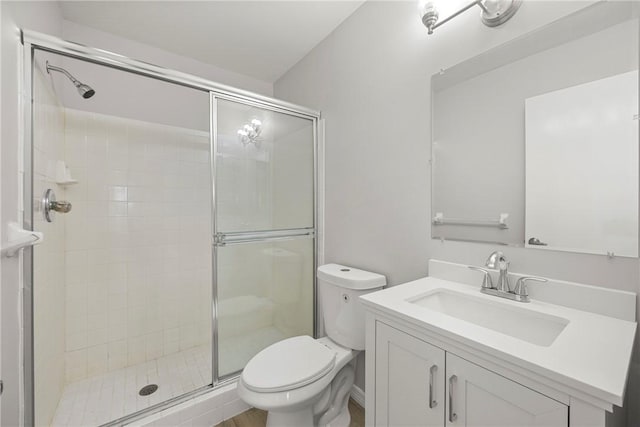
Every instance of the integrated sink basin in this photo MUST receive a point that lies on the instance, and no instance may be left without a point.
(536, 328)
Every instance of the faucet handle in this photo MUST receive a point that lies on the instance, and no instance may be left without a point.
(487, 282)
(521, 285)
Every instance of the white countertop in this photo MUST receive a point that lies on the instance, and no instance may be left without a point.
(592, 353)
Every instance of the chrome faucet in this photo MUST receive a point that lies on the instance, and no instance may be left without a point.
(498, 261)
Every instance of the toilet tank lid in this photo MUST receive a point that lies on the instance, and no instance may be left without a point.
(349, 277)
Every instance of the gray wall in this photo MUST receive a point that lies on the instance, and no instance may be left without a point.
(371, 79)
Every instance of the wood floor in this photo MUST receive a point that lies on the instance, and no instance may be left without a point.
(258, 418)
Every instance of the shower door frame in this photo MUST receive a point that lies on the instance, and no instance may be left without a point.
(32, 41)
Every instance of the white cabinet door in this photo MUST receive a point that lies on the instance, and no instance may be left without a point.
(409, 380)
(478, 397)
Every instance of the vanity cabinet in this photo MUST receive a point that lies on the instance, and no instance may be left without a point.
(479, 397)
(438, 339)
(410, 377)
(419, 384)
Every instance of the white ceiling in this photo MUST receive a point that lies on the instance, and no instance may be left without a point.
(262, 39)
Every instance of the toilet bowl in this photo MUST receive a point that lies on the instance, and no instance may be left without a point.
(290, 380)
(303, 381)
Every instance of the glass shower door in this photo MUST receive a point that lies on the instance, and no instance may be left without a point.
(122, 282)
(264, 229)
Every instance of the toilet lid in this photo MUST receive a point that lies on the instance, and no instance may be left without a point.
(288, 364)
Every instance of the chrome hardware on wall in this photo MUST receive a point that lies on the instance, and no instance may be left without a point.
(19, 238)
(536, 242)
(501, 222)
(49, 203)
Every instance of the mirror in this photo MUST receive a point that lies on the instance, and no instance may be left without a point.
(535, 142)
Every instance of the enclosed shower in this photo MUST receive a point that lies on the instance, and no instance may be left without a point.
(179, 223)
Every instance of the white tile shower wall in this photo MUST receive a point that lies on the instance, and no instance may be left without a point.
(49, 273)
(138, 252)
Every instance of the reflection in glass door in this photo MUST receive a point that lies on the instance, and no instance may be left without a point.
(264, 229)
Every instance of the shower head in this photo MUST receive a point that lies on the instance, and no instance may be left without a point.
(84, 90)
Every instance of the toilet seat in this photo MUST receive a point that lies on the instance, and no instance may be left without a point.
(288, 364)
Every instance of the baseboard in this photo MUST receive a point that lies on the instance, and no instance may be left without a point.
(357, 395)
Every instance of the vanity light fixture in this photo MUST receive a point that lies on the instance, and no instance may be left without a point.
(250, 132)
(494, 12)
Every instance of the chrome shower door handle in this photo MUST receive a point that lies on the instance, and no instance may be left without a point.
(432, 373)
(49, 204)
(452, 414)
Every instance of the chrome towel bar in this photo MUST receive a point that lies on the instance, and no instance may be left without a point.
(501, 222)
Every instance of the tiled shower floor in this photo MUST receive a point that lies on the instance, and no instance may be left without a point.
(100, 399)
(106, 397)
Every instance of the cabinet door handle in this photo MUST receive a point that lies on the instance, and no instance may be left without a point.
(432, 373)
(452, 381)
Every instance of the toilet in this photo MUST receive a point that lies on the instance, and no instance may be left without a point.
(302, 381)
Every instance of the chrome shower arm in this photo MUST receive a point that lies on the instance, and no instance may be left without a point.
(63, 71)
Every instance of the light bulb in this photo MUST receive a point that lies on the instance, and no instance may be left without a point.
(424, 6)
(444, 8)
(492, 6)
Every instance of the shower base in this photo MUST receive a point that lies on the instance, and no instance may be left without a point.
(107, 397)
(103, 398)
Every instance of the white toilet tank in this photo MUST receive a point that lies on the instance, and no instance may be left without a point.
(339, 287)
